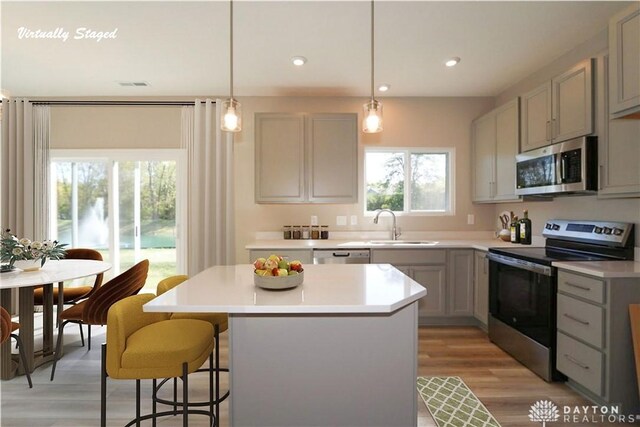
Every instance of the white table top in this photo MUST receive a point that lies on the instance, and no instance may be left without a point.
(603, 269)
(52, 272)
(360, 288)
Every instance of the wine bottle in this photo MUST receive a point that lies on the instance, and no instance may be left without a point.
(525, 229)
(515, 230)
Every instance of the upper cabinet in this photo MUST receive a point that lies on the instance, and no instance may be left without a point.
(624, 63)
(306, 158)
(558, 110)
(494, 147)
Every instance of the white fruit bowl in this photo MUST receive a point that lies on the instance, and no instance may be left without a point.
(278, 282)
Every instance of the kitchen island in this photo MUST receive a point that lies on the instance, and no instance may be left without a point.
(338, 350)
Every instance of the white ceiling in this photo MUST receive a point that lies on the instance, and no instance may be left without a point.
(182, 48)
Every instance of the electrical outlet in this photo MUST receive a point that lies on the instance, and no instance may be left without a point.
(354, 219)
(314, 220)
(341, 220)
(471, 219)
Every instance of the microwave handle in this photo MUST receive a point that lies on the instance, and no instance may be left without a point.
(559, 168)
(563, 168)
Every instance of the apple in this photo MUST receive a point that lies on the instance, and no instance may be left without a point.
(293, 273)
(275, 258)
(263, 273)
(270, 264)
(283, 264)
(274, 271)
(282, 272)
(295, 266)
(259, 263)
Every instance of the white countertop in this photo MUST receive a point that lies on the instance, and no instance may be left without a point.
(52, 272)
(603, 269)
(361, 288)
(480, 244)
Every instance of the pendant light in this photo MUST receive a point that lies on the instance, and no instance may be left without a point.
(372, 119)
(231, 116)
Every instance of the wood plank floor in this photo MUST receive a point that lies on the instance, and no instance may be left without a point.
(73, 400)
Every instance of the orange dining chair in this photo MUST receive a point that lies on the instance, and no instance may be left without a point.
(6, 329)
(93, 310)
(72, 295)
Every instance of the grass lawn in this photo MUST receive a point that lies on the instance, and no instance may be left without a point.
(162, 264)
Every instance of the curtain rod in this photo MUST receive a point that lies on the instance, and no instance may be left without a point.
(116, 103)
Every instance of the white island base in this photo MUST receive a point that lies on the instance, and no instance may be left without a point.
(324, 369)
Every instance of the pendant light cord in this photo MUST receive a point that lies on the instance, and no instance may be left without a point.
(372, 49)
(231, 48)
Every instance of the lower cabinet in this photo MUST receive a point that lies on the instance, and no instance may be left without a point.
(481, 287)
(434, 278)
(594, 338)
(460, 282)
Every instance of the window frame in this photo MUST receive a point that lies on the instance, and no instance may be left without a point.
(408, 151)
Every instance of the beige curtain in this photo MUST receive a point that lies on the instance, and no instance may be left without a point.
(25, 168)
(210, 229)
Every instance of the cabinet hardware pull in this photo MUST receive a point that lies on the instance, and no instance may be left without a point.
(600, 177)
(584, 288)
(572, 360)
(548, 131)
(554, 130)
(568, 316)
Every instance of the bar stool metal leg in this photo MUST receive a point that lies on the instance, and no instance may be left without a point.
(137, 403)
(185, 395)
(103, 388)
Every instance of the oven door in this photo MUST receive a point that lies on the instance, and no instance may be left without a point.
(523, 295)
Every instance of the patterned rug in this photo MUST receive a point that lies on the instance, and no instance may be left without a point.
(452, 404)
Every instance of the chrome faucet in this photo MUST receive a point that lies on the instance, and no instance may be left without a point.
(394, 231)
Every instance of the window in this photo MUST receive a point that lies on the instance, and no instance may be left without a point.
(409, 180)
(124, 204)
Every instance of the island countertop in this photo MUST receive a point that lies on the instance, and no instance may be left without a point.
(357, 289)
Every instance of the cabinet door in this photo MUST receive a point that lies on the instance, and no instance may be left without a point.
(434, 279)
(507, 144)
(484, 154)
(572, 110)
(481, 287)
(535, 118)
(279, 174)
(460, 283)
(618, 153)
(332, 158)
(624, 48)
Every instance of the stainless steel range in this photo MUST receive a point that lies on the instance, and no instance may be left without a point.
(523, 285)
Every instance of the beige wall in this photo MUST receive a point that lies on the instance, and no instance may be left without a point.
(115, 126)
(408, 122)
(574, 207)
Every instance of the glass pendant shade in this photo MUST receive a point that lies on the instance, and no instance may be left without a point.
(372, 118)
(231, 116)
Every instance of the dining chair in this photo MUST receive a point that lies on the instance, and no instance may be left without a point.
(220, 323)
(72, 295)
(634, 316)
(6, 329)
(93, 310)
(152, 346)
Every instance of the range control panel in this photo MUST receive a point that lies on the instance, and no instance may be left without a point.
(603, 232)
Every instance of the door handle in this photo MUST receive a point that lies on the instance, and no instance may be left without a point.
(575, 361)
(548, 131)
(584, 288)
(341, 254)
(554, 130)
(575, 319)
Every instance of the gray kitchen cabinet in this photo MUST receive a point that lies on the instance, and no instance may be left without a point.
(495, 140)
(433, 278)
(558, 110)
(594, 338)
(305, 256)
(481, 287)
(624, 49)
(460, 282)
(618, 149)
(280, 158)
(306, 158)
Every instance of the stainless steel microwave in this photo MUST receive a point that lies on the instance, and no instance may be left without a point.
(567, 167)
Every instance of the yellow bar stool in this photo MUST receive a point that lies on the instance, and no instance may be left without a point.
(151, 346)
(220, 322)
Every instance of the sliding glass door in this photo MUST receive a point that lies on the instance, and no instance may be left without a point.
(127, 205)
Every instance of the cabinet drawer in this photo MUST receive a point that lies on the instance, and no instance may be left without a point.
(580, 362)
(409, 256)
(581, 286)
(581, 319)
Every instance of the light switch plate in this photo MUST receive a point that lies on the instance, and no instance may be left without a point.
(341, 220)
(354, 219)
(471, 219)
(314, 220)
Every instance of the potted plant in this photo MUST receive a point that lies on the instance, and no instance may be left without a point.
(26, 254)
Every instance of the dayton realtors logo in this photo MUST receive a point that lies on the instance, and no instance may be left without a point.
(545, 411)
(59, 33)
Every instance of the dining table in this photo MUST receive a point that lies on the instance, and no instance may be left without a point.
(53, 271)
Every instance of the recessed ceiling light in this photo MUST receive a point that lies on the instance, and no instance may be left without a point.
(452, 61)
(384, 87)
(299, 61)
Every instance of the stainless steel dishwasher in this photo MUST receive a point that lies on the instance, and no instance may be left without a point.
(338, 256)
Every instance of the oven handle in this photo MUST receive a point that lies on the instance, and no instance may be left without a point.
(519, 263)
